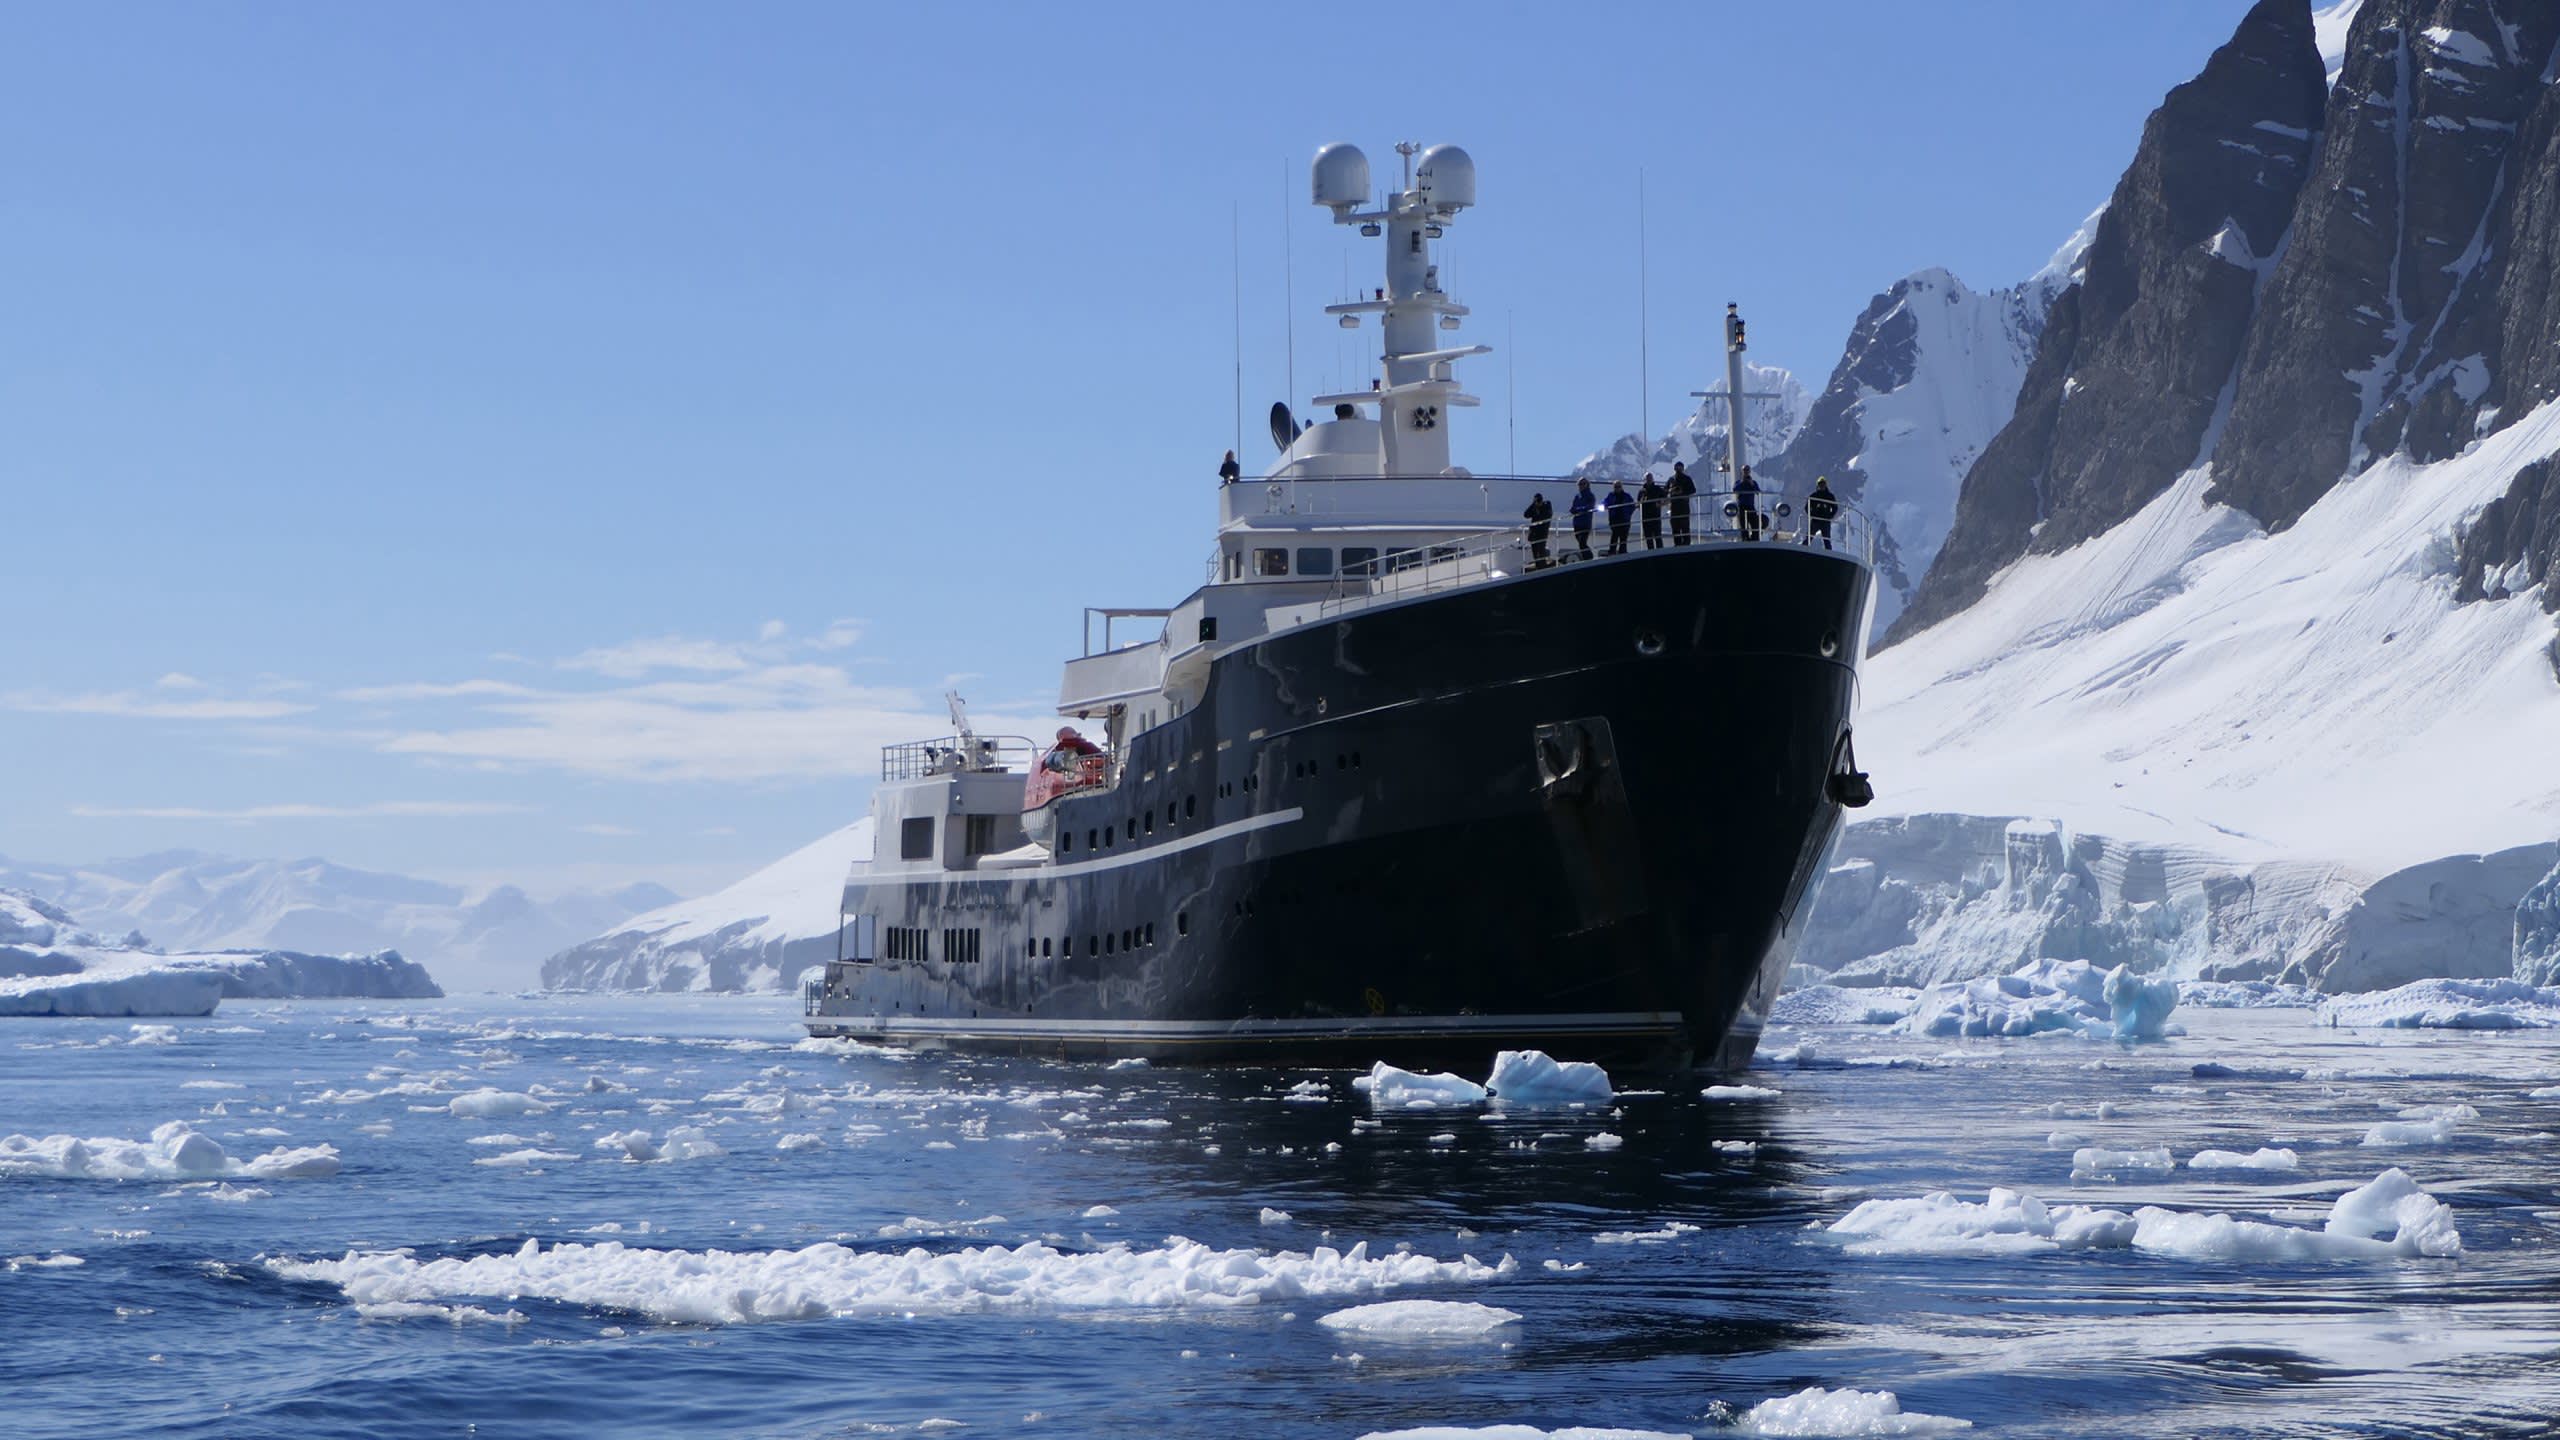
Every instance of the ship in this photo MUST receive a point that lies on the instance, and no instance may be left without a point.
(1413, 776)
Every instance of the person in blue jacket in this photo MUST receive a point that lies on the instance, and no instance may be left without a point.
(1746, 517)
(1584, 502)
(1622, 512)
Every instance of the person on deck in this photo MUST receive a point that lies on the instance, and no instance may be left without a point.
(1746, 514)
(1622, 513)
(1821, 510)
(1584, 502)
(1649, 496)
(1228, 470)
(1540, 515)
(1680, 489)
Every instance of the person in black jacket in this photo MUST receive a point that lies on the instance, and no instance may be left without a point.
(1680, 489)
(1746, 514)
(1821, 510)
(1584, 502)
(1649, 496)
(1622, 513)
(1540, 515)
(1228, 470)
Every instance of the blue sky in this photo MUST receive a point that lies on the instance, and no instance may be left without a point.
(562, 442)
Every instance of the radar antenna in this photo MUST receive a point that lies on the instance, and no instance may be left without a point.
(1417, 386)
(1733, 394)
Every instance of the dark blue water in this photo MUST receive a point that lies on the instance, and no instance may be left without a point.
(188, 1316)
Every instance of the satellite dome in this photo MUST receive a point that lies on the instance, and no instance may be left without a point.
(1341, 176)
(1448, 175)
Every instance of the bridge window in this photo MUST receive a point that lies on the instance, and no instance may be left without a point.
(1359, 560)
(915, 838)
(1402, 560)
(1271, 562)
(1235, 570)
(982, 834)
(1315, 560)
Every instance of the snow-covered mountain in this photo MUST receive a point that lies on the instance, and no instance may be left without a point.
(1698, 439)
(759, 934)
(186, 900)
(2250, 603)
(50, 965)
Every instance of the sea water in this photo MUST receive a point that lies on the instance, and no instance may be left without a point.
(671, 1216)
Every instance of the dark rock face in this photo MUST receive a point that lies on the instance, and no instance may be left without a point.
(2136, 360)
(2413, 304)
(2514, 543)
(1882, 355)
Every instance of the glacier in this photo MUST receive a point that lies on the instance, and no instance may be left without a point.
(50, 966)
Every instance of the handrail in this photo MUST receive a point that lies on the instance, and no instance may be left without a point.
(1717, 518)
(953, 754)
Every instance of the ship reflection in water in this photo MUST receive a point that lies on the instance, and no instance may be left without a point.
(660, 1216)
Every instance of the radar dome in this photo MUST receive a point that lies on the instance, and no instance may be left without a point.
(1448, 175)
(1342, 176)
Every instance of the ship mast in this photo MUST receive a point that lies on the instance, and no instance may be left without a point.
(1417, 388)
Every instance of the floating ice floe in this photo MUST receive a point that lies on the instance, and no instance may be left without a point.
(2421, 1125)
(1274, 1217)
(2039, 997)
(1727, 1093)
(1842, 1412)
(1520, 1432)
(2448, 1005)
(2259, 1159)
(2011, 1222)
(1421, 1319)
(719, 1287)
(685, 1142)
(175, 1151)
(2094, 1163)
(1524, 1079)
(486, 1104)
(526, 1159)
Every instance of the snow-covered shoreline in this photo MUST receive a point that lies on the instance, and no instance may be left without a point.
(49, 966)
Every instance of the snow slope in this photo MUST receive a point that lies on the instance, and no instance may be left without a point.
(50, 966)
(188, 900)
(758, 934)
(2188, 678)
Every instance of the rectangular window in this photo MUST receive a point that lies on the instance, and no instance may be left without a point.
(1402, 560)
(915, 838)
(982, 834)
(1271, 562)
(1235, 569)
(1359, 560)
(1314, 560)
(1450, 552)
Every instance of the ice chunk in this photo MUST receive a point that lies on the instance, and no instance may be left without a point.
(2449, 1005)
(2393, 1133)
(807, 1140)
(2260, 1159)
(1274, 1217)
(1421, 1319)
(2140, 1006)
(1738, 1092)
(1817, 1411)
(1517, 1432)
(1603, 1141)
(485, 1104)
(1835, 1005)
(2008, 1222)
(1390, 1088)
(175, 1151)
(1099, 1212)
(1532, 1078)
(2093, 1163)
(714, 1287)
(526, 1159)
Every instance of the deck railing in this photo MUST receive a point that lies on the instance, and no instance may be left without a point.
(947, 754)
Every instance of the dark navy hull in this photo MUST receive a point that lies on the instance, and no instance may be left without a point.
(1578, 810)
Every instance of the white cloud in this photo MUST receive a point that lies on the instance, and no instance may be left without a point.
(771, 631)
(179, 680)
(460, 689)
(399, 809)
(666, 652)
(774, 722)
(127, 705)
(838, 635)
(604, 829)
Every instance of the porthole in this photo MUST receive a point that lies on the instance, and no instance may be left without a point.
(1190, 806)
(1648, 642)
(1181, 922)
(1830, 643)
(1151, 822)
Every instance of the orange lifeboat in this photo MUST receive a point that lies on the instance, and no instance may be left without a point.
(1072, 764)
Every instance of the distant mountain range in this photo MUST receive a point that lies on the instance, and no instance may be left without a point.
(188, 900)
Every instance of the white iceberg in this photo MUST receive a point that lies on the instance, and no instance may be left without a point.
(2389, 1218)
(1533, 1078)
(1421, 1319)
(175, 1151)
(721, 1287)
(2448, 1005)
(1843, 1412)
